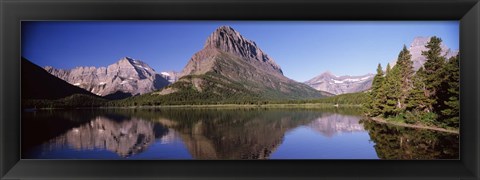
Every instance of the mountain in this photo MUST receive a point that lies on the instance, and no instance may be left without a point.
(126, 77)
(341, 84)
(171, 76)
(418, 45)
(232, 67)
(351, 84)
(39, 84)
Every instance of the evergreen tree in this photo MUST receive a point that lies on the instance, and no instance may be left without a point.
(417, 100)
(398, 83)
(405, 74)
(433, 73)
(375, 100)
(451, 113)
(391, 91)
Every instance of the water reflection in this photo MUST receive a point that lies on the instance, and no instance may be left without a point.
(393, 142)
(234, 134)
(332, 124)
(219, 134)
(124, 137)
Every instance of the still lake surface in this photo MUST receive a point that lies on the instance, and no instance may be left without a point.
(226, 133)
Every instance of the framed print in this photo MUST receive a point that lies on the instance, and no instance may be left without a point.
(239, 89)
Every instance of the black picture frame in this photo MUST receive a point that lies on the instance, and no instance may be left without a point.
(12, 12)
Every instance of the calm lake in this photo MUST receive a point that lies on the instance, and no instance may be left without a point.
(226, 133)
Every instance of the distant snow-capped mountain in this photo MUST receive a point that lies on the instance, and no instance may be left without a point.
(341, 84)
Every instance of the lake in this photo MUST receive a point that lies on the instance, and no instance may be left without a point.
(225, 133)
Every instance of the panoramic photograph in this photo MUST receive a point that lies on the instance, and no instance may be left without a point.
(240, 90)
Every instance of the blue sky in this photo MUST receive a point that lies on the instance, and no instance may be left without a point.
(303, 49)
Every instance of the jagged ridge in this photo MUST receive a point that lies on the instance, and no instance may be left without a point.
(126, 76)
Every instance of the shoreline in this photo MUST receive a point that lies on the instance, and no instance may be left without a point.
(383, 121)
(304, 105)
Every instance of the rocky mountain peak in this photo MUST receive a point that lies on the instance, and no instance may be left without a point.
(418, 45)
(126, 60)
(328, 74)
(228, 40)
(223, 36)
(419, 41)
(135, 63)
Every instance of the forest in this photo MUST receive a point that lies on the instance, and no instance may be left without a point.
(429, 96)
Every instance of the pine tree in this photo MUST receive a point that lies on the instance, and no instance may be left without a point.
(388, 68)
(391, 88)
(398, 83)
(417, 99)
(451, 113)
(405, 74)
(433, 73)
(375, 99)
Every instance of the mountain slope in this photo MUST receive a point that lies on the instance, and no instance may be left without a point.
(341, 84)
(122, 79)
(39, 84)
(233, 67)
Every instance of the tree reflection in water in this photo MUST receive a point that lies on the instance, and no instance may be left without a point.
(394, 142)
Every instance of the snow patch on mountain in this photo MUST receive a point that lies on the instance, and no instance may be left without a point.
(341, 84)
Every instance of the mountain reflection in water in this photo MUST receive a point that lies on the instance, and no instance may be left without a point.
(201, 134)
(122, 137)
(332, 124)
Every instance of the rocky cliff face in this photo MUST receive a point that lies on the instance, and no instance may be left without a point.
(125, 76)
(418, 45)
(238, 65)
(171, 76)
(341, 84)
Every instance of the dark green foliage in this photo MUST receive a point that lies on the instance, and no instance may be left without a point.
(429, 96)
(394, 142)
(375, 102)
(350, 99)
(391, 93)
(73, 101)
(405, 76)
(434, 73)
(451, 114)
(397, 84)
(388, 68)
(417, 100)
(415, 116)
